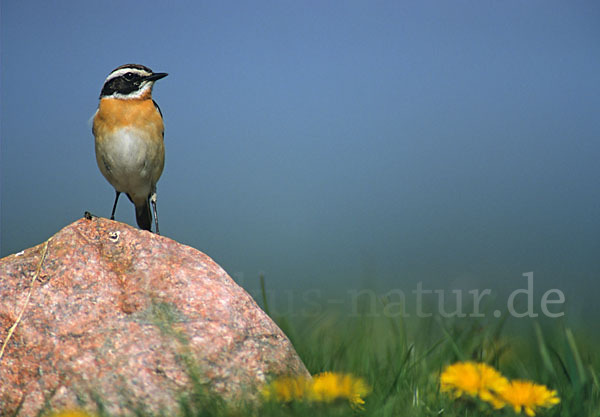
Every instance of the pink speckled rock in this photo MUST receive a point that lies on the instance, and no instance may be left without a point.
(120, 313)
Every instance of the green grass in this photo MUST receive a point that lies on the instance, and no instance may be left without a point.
(401, 359)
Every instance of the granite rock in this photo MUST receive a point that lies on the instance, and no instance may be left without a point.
(107, 311)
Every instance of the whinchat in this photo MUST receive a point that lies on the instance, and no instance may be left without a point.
(129, 131)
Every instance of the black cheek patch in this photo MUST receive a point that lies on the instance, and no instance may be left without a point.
(119, 85)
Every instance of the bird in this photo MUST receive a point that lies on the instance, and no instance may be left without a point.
(129, 130)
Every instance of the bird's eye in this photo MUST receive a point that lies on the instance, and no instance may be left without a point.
(129, 76)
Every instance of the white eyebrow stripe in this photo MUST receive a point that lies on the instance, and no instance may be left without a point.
(123, 71)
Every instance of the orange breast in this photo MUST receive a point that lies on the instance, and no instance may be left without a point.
(114, 114)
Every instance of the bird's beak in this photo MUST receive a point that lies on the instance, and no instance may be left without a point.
(156, 76)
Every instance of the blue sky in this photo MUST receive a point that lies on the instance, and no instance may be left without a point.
(325, 143)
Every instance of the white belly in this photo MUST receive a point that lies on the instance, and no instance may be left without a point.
(131, 164)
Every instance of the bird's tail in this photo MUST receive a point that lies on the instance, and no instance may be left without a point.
(143, 216)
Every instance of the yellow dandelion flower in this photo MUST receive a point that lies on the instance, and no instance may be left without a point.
(71, 413)
(528, 396)
(330, 386)
(286, 389)
(474, 379)
(326, 387)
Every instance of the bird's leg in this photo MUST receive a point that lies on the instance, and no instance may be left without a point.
(154, 213)
(112, 216)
